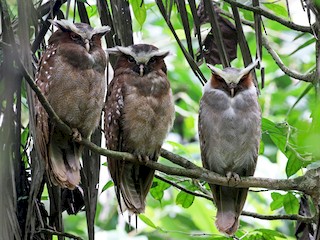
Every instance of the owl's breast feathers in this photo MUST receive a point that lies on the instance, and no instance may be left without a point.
(148, 111)
(232, 129)
(80, 101)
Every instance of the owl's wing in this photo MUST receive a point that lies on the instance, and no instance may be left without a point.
(41, 116)
(113, 129)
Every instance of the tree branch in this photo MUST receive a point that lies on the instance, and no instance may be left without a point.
(309, 77)
(292, 217)
(262, 12)
(306, 183)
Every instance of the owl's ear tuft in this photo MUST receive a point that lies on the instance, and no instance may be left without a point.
(161, 54)
(101, 31)
(118, 50)
(64, 25)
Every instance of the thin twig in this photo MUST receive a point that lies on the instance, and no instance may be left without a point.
(293, 217)
(309, 77)
(258, 10)
(183, 189)
(56, 233)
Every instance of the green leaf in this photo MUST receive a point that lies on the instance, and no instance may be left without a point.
(107, 185)
(290, 203)
(306, 44)
(185, 199)
(261, 148)
(279, 10)
(280, 134)
(158, 188)
(139, 11)
(277, 201)
(293, 165)
(24, 136)
(147, 221)
(270, 234)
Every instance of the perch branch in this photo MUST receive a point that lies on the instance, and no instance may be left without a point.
(307, 183)
(292, 217)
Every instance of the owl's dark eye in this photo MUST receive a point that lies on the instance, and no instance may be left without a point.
(243, 78)
(131, 59)
(152, 60)
(218, 78)
(75, 37)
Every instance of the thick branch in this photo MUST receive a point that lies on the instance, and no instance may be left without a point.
(307, 183)
(262, 12)
(292, 217)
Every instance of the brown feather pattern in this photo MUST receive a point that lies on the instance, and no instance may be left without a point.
(139, 112)
(72, 79)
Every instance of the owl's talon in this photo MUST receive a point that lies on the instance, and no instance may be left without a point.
(233, 178)
(143, 159)
(76, 135)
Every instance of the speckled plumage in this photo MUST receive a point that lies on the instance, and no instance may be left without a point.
(229, 131)
(139, 113)
(71, 75)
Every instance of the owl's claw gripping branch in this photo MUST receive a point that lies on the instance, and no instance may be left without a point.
(76, 135)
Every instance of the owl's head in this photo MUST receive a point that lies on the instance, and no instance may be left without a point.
(232, 80)
(140, 58)
(79, 33)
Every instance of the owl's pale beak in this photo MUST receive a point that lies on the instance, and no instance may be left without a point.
(141, 68)
(232, 86)
(232, 92)
(87, 44)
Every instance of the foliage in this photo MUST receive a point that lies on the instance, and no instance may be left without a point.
(180, 207)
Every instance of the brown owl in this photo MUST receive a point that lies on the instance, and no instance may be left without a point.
(229, 131)
(71, 75)
(139, 113)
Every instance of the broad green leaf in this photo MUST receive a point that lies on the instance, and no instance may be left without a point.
(107, 185)
(147, 221)
(185, 199)
(139, 11)
(290, 203)
(277, 9)
(280, 134)
(270, 234)
(293, 165)
(277, 201)
(158, 188)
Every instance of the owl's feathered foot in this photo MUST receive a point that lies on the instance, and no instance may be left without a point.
(143, 158)
(233, 178)
(76, 135)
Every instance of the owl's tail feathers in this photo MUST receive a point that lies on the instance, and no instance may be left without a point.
(229, 202)
(134, 187)
(64, 164)
(227, 222)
